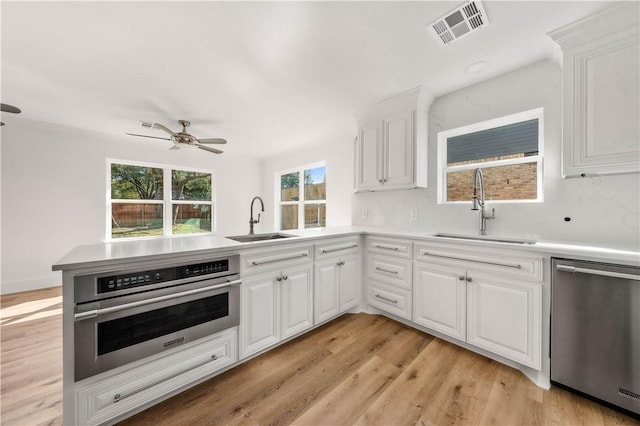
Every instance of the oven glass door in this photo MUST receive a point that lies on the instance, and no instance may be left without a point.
(129, 331)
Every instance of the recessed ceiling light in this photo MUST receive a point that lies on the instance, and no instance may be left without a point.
(476, 67)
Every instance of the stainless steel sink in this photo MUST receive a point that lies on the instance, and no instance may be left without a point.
(485, 238)
(259, 237)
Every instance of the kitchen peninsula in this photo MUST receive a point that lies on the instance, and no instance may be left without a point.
(292, 285)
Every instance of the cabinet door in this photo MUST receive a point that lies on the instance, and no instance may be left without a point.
(601, 89)
(398, 151)
(349, 283)
(369, 157)
(258, 318)
(504, 317)
(326, 291)
(296, 301)
(439, 301)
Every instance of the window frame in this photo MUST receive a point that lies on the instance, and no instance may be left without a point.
(301, 201)
(167, 200)
(443, 169)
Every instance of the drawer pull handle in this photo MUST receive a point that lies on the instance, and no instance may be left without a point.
(388, 300)
(386, 270)
(380, 246)
(256, 263)
(119, 397)
(338, 249)
(508, 265)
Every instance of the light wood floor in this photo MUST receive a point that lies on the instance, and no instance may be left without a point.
(359, 369)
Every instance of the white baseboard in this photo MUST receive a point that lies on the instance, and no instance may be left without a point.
(16, 286)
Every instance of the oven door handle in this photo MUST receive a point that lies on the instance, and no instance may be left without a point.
(102, 311)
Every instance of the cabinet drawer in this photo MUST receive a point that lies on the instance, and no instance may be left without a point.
(390, 270)
(103, 400)
(390, 247)
(268, 259)
(337, 247)
(505, 263)
(394, 300)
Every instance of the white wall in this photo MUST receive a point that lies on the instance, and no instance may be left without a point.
(54, 192)
(604, 211)
(53, 184)
(337, 150)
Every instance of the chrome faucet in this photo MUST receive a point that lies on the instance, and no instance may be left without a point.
(475, 203)
(251, 221)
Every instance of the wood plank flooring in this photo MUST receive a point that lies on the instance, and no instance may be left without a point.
(359, 369)
(31, 358)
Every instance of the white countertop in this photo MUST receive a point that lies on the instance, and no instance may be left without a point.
(114, 252)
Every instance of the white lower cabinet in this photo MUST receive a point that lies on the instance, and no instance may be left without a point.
(440, 300)
(275, 305)
(296, 307)
(503, 316)
(111, 396)
(336, 286)
(389, 275)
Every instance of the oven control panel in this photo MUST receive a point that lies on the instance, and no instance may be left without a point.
(137, 279)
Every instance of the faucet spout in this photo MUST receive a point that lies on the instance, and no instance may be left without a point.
(478, 203)
(251, 220)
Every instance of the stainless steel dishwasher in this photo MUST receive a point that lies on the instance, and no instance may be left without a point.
(595, 330)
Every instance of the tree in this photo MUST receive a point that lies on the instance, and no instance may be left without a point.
(135, 182)
(291, 180)
(189, 185)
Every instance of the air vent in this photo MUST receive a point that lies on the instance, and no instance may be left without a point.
(460, 22)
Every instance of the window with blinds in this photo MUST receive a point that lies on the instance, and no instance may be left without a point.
(507, 149)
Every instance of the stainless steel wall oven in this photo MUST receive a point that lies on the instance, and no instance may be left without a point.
(124, 316)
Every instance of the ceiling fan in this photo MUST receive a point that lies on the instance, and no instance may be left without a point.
(9, 108)
(182, 137)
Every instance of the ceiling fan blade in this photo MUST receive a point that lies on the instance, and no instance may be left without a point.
(206, 148)
(165, 128)
(10, 108)
(212, 140)
(147, 136)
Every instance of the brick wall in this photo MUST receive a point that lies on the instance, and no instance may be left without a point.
(513, 182)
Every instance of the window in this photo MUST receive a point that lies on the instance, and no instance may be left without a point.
(507, 149)
(151, 200)
(302, 197)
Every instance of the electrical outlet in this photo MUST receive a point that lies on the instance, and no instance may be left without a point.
(414, 214)
(365, 213)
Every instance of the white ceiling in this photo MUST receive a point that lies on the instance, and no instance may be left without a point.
(267, 76)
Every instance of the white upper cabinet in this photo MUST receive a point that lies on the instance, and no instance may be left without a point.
(391, 149)
(369, 161)
(601, 87)
(398, 170)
